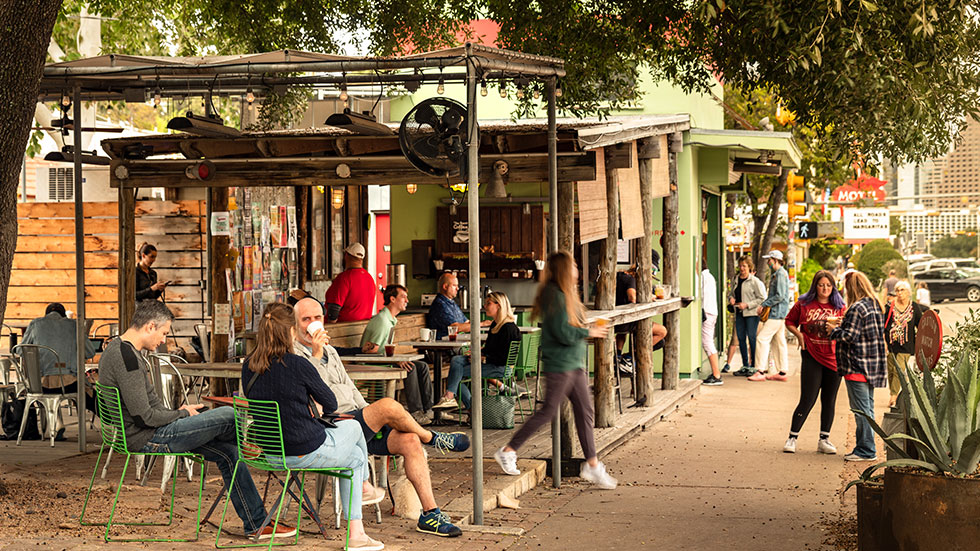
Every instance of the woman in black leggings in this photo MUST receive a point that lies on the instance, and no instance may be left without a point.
(808, 321)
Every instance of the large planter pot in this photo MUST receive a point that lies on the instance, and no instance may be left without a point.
(923, 512)
(869, 509)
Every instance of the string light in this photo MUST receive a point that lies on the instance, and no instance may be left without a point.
(536, 93)
(558, 90)
(483, 88)
(343, 93)
(441, 89)
(503, 90)
(157, 98)
(249, 96)
(411, 188)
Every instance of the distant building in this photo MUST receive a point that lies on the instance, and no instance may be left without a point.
(958, 174)
(938, 224)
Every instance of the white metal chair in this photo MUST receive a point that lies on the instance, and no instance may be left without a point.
(28, 362)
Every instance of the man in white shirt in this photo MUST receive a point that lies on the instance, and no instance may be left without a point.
(709, 305)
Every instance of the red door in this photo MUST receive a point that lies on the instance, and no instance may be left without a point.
(382, 223)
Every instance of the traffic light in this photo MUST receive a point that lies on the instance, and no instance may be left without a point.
(795, 197)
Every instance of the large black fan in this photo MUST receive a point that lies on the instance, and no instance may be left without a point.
(433, 137)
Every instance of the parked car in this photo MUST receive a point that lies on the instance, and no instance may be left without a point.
(952, 284)
(940, 263)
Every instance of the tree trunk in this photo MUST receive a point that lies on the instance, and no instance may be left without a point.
(643, 362)
(672, 320)
(605, 299)
(27, 26)
(765, 225)
(566, 242)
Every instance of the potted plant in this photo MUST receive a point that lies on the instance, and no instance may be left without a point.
(933, 501)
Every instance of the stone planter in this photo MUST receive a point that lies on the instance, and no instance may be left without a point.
(922, 512)
(869, 508)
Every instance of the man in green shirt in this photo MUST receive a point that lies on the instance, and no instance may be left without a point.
(379, 332)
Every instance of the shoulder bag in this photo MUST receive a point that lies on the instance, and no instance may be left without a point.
(764, 316)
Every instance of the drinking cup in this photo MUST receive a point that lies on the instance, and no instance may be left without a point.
(425, 334)
(313, 327)
(389, 350)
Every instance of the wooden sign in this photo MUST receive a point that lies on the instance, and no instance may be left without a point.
(928, 340)
(592, 216)
(661, 171)
(630, 203)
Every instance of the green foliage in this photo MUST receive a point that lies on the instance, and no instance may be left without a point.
(895, 226)
(873, 257)
(804, 276)
(826, 251)
(279, 111)
(958, 246)
(963, 339)
(899, 265)
(943, 427)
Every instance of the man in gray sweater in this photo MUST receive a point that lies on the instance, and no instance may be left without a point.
(152, 427)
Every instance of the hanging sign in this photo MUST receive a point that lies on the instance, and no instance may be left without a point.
(866, 224)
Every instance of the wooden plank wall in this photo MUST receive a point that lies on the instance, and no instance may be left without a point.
(44, 263)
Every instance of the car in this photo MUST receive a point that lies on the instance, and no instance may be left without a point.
(951, 284)
(939, 263)
(966, 263)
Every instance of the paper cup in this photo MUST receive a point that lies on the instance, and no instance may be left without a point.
(313, 327)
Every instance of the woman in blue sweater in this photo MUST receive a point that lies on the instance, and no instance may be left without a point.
(563, 335)
(292, 381)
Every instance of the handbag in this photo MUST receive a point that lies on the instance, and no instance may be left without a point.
(764, 316)
(498, 411)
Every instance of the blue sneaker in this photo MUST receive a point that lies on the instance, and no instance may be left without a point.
(726, 369)
(449, 441)
(437, 523)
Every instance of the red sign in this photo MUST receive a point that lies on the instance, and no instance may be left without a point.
(928, 340)
(865, 187)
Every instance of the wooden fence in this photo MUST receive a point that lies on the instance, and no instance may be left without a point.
(44, 263)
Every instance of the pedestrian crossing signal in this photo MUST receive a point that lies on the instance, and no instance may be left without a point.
(807, 230)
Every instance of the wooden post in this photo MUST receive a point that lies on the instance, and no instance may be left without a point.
(671, 277)
(566, 242)
(648, 150)
(218, 262)
(127, 256)
(605, 299)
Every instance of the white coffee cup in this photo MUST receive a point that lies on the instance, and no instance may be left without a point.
(313, 327)
(425, 334)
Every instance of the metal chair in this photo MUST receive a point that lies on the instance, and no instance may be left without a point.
(201, 330)
(174, 395)
(29, 372)
(114, 438)
(258, 428)
(112, 330)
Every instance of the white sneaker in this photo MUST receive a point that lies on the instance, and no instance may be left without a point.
(790, 445)
(507, 461)
(446, 403)
(824, 446)
(598, 476)
(855, 457)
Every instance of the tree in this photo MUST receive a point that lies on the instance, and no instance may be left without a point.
(955, 246)
(873, 257)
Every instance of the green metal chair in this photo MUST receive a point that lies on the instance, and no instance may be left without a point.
(507, 378)
(527, 365)
(258, 429)
(114, 438)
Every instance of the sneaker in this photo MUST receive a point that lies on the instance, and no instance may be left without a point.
(376, 495)
(366, 544)
(854, 457)
(598, 476)
(790, 445)
(757, 376)
(777, 377)
(744, 372)
(437, 523)
(282, 531)
(824, 446)
(507, 461)
(726, 369)
(712, 381)
(449, 441)
(421, 418)
(446, 403)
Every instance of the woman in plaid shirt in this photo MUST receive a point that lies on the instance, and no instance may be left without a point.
(861, 356)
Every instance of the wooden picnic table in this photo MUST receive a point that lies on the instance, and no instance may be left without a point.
(634, 312)
(381, 358)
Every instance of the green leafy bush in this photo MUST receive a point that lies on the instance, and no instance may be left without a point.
(804, 277)
(873, 256)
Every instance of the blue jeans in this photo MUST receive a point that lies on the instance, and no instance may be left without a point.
(745, 329)
(861, 397)
(343, 447)
(212, 434)
(459, 367)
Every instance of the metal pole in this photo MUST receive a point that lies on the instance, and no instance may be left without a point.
(553, 246)
(80, 336)
(473, 217)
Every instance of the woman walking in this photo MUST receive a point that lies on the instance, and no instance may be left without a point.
(563, 335)
(861, 357)
(901, 319)
(807, 319)
(273, 372)
(747, 293)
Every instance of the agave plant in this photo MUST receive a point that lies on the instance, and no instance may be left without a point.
(945, 428)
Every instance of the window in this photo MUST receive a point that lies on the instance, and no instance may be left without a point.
(327, 235)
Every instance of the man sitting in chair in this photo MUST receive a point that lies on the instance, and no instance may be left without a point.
(56, 331)
(388, 428)
(151, 427)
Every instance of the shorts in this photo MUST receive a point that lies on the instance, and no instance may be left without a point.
(626, 327)
(377, 442)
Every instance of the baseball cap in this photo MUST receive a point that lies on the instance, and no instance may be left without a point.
(778, 255)
(355, 249)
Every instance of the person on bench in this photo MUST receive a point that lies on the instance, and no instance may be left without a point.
(388, 428)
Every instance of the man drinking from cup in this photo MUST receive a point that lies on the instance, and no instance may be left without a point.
(376, 339)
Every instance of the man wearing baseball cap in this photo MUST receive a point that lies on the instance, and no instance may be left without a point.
(773, 330)
(351, 294)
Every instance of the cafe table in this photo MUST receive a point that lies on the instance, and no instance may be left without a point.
(439, 349)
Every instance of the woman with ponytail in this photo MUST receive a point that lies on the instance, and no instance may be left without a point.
(272, 372)
(147, 287)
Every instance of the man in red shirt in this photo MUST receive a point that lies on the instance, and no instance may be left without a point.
(351, 295)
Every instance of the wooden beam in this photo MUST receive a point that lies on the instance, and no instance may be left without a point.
(108, 209)
(671, 277)
(619, 155)
(605, 299)
(644, 271)
(127, 256)
(217, 264)
(322, 171)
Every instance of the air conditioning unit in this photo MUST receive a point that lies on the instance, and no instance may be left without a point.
(55, 184)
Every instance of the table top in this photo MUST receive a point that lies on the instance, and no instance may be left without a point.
(437, 345)
(522, 328)
(380, 358)
(633, 312)
(375, 372)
